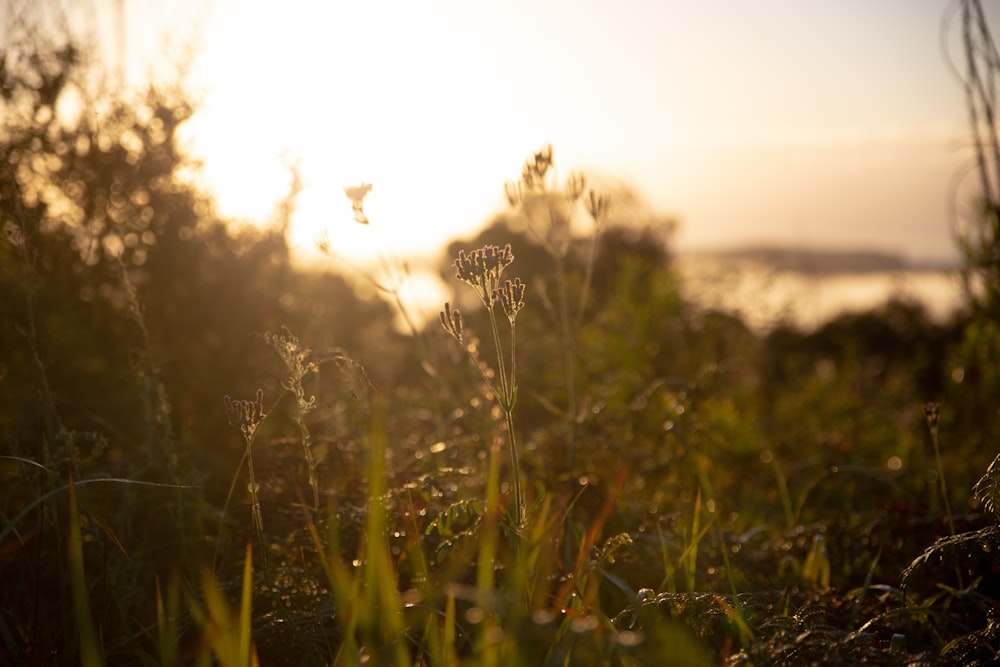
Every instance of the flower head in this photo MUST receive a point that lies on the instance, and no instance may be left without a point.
(451, 320)
(535, 169)
(511, 298)
(357, 194)
(482, 270)
(245, 415)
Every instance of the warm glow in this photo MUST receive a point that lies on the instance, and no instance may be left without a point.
(351, 93)
(801, 123)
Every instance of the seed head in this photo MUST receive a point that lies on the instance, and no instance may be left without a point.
(451, 320)
(511, 298)
(245, 415)
(482, 269)
(533, 173)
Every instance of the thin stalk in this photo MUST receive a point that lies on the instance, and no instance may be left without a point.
(511, 436)
(485, 563)
(310, 459)
(588, 276)
(932, 415)
(505, 397)
(515, 470)
(507, 384)
(569, 358)
(258, 518)
(396, 281)
(247, 416)
(944, 485)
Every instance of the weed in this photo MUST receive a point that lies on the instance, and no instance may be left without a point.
(419, 545)
(550, 216)
(247, 416)
(932, 413)
(482, 270)
(298, 365)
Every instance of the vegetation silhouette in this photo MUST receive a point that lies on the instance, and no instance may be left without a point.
(693, 490)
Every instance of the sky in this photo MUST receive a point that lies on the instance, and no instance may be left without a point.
(815, 124)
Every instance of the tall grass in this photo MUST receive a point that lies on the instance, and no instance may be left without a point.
(507, 566)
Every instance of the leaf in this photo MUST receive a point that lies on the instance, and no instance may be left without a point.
(987, 489)
(456, 517)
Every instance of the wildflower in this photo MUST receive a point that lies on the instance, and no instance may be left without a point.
(597, 206)
(535, 169)
(245, 415)
(511, 298)
(482, 269)
(357, 194)
(451, 320)
(297, 361)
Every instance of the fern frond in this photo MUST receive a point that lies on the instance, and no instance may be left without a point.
(987, 489)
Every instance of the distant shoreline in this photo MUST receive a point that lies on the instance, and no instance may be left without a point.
(767, 286)
(819, 262)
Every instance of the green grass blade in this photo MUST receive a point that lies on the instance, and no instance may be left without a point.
(90, 653)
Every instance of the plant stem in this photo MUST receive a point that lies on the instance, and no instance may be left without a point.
(310, 459)
(515, 470)
(258, 518)
(569, 358)
(944, 486)
(507, 385)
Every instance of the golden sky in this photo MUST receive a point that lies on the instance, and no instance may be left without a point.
(806, 123)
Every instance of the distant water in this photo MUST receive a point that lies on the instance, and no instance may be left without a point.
(765, 295)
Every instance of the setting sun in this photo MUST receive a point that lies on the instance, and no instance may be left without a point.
(775, 122)
(351, 93)
(543, 332)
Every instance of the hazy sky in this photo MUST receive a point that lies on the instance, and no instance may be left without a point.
(808, 123)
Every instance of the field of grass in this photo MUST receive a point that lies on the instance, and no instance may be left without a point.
(211, 456)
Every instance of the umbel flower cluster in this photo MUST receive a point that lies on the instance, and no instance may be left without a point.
(245, 415)
(482, 269)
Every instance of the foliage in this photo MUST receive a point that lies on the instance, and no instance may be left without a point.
(676, 487)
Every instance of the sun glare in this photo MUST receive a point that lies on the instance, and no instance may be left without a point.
(345, 94)
(746, 122)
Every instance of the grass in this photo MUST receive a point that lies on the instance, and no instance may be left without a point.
(621, 479)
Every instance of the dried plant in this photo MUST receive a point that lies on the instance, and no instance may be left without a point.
(482, 269)
(247, 416)
(298, 364)
(549, 213)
